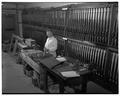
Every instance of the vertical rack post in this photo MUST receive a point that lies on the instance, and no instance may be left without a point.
(112, 21)
(20, 23)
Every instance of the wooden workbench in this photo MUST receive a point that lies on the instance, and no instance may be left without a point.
(55, 72)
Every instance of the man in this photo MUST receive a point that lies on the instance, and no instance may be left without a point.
(51, 44)
(50, 47)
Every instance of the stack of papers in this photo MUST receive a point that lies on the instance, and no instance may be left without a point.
(49, 62)
(70, 74)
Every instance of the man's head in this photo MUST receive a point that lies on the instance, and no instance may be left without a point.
(49, 33)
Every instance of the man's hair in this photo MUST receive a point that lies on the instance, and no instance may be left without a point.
(48, 30)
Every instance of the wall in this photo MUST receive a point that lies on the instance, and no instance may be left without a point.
(91, 31)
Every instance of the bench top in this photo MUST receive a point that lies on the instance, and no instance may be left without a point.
(54, 66)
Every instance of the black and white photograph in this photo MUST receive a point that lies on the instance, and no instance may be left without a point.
(59, 47)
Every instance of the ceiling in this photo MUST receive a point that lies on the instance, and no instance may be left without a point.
(35, 4)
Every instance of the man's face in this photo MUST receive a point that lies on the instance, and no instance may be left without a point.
(49, 34)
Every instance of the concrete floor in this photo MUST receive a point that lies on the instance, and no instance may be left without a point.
(14, 80)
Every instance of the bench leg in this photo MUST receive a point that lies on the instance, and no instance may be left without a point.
(61, 87)
(46, 83)
(84, 85)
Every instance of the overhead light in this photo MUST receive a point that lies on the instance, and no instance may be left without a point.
(64, 38)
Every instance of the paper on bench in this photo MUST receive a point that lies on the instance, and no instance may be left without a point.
(61, 59)
(70, 74)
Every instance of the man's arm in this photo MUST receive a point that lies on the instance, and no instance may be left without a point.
(45, 49)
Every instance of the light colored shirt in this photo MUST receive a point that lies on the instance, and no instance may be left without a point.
(51, 44)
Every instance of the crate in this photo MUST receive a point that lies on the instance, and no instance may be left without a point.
(28, 71)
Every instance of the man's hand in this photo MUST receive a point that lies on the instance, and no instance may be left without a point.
(46, 50)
